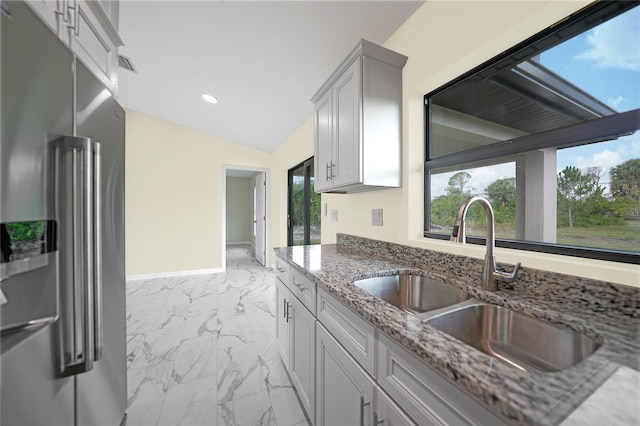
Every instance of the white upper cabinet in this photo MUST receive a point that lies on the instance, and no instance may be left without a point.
(90, 29)
(357, 122)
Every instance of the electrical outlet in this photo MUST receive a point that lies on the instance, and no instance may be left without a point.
(334, 215)
(376, 217)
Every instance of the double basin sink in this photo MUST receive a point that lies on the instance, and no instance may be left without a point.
(522, 341)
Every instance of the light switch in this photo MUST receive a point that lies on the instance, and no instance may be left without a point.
(334, 215)
(376, 217)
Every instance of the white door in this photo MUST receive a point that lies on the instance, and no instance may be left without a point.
(261, 217)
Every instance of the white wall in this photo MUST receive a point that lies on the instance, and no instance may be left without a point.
(443, 40)
(239, 210)
(174, 173)
(174, 193)
(292, 152)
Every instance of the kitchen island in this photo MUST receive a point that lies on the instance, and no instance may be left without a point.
(606, 312)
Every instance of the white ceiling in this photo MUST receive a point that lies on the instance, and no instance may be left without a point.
(263, 60)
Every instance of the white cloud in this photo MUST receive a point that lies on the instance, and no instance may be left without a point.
(615, 102)
(604, 159)
(614, 44)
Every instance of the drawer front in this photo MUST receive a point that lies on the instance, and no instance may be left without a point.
(427, 397)
(304, 289)
(388, 413)
(282, 271)
(352, 331)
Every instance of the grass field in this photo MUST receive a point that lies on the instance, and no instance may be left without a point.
(619, 237)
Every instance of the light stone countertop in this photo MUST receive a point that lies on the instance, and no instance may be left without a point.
(607, 312)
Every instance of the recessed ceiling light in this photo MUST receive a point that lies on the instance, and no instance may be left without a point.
(210, 99)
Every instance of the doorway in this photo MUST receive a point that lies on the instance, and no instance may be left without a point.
(303, 218)
(244, 213)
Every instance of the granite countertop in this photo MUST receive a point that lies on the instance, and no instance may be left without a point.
(607, 312)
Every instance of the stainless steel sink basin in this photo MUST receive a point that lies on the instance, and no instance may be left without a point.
(413, 293)
(522, 341)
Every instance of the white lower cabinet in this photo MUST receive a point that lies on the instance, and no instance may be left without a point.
(425, 395)
(345, 392)
(348, 373)
(388, 413)
(283, 295)
(302, 366)
(296, 338)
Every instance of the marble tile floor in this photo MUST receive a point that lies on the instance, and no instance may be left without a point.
(201, 350)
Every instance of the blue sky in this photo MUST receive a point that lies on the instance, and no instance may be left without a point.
(605, 62)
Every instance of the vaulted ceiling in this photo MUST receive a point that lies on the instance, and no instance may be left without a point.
(262, 60)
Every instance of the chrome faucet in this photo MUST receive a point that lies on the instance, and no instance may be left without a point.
(490, 274)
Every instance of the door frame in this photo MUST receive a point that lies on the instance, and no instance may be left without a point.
(261, 240)
(223, 212)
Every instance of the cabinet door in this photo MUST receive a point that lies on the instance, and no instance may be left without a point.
(282, 320)
(344, 392)
(302, 362)
(93, 43)
(388, 413)
(346, 126)
(322, 143)
(48, 11)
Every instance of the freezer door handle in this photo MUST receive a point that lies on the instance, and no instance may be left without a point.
(78, 208)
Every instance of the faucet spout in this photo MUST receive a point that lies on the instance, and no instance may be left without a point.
(490, 274)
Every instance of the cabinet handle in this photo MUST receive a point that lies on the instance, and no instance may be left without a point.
(63, 10)
(376, 420)
(362, 405)
(328, 171)
(300, 287)
(281, 270)
(76, 17)
(332, 166)
(286, 312)
(284, 308)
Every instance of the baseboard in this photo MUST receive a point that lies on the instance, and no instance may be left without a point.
(238, 242)
(174, 274)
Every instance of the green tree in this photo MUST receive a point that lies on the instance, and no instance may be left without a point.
(457, 184)
(502, 192)
(625, 186)
(502, 196)
(298, 205)
(444, 209)
(574, 187)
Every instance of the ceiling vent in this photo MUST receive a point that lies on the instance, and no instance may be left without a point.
(126, 63)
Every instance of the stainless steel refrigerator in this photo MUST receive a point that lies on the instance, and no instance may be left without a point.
(63, 348)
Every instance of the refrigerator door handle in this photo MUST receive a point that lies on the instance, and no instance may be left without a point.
(97, 252)
(77, 192)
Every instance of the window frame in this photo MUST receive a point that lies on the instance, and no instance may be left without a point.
(573, 135)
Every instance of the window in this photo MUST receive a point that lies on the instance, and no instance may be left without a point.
(303, 220)
(547, 132)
